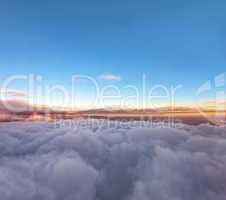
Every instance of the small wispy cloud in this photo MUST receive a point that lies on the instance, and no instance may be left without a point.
(110, 77)
(13, 92)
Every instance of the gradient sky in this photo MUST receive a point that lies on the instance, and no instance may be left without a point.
(174, 42)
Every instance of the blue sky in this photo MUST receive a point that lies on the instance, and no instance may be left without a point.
(172, 42)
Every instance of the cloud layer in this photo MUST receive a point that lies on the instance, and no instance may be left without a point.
(12, 92)
(92, 162)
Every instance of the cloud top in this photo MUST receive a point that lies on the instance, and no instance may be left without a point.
(92, 162)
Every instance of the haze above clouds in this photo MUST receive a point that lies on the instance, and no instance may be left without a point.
(93, 162)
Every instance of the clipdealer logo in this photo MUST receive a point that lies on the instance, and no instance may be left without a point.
(217, 106)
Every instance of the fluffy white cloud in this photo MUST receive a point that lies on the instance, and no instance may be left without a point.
(110, 77)
(93, 162)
